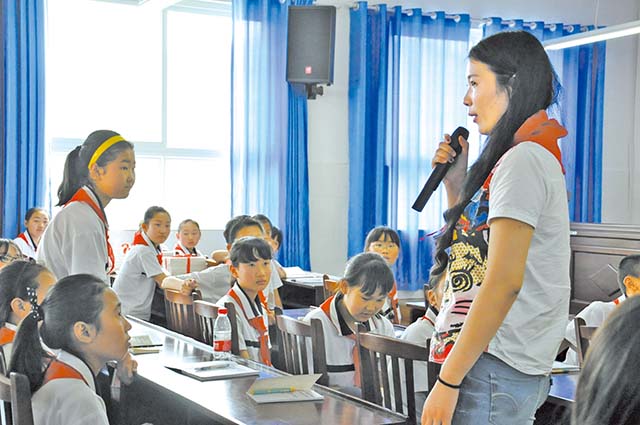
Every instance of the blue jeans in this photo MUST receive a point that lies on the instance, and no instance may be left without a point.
(495, 393)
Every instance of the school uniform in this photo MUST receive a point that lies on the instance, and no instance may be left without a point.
(183, 250)
(340, 341)
(594, 315)
(68, 395)
(7, 335)
(391, 307)
(134, 284)
(253, 324)
(26, 244)
(77, 239)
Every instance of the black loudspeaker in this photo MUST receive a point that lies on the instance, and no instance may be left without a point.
(310, 44)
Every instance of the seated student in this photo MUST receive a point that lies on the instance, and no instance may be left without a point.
(188, 236)
(273, 299)
(35, 221)
(215, 282)
(362, 291)
(82, 321)
(386, 242)
(9, 252)
(596, 312)
(16, 280)
(142, 268)
(607, 391)
(419, 332)
(222, 255)
(276, 238)
(251, 270)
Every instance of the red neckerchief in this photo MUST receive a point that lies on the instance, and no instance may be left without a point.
(355, 353)
(60, 370)
(180, 248)
(538, 128)
(25, 236)
(428, 320)
(256, 323)
(6, 335)
(393, 298)
(138, 239)
(81, 195)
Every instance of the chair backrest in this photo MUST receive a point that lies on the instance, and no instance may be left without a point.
(302, 342)
(180, 317)
(380, 356)
(584, 334)
(330, 286)
(21, 399)
(206, 314)
(231, 313)
(5, 400)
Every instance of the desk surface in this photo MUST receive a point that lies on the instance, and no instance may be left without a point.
(226, 401)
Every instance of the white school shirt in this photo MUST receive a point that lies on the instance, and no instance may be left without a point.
(134, 284)
(69, 401)
(182, 250)
(594, 315)
(418, 332)
(338, 346)
(215, 282)
(248, 337)
(529, 186)
(75, 242)
(26, 244)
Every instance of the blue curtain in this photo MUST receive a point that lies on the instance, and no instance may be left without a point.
(22, 111)
(580, 109)
(269, 172)
(407, 81)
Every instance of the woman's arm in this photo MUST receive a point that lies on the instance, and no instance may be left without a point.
(506, 260)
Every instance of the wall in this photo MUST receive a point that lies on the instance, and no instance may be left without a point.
(328, 117)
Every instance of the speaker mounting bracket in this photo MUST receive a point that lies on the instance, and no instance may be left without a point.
(314, 90)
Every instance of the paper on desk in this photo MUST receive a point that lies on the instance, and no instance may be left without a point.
(285, 389)
(297, 382)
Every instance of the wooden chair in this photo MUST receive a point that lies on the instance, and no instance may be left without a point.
(235, 342)
(180, 317)
(584, 334)
(5, 400)
(297, 339)
(330, 286)
(21, 399)
(377, 352)
(205, 314)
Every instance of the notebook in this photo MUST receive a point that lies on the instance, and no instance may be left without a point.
(212, 370)
(559, 367)
(285, 389)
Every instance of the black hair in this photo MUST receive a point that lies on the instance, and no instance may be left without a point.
(249, 249)
(629, 266)
(607, 389)
(242, 223)
(263, 219)
(75, 298)
(14, 281)
(187, 221)
(76, 171)
(276, 235)
(523, 70)
(4, 248)
(152, 211)
(369, 271)
(436, 280)
(375, 234)
(229, 226)
(32, 211)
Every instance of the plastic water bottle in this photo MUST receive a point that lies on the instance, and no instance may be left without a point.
(222, 336)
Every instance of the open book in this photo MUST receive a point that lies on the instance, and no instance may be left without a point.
(212, 370)
(284, 389)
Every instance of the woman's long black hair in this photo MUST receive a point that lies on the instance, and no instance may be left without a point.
(522, 68)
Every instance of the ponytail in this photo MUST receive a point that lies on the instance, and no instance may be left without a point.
(76, 166)
(28, 356)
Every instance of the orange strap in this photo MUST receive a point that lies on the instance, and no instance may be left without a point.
(59, 370)
(82, 196)
(6, 335)
(428, 320)
(256, 323)
(138, 239)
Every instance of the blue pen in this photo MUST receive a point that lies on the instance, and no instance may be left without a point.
(274, 390)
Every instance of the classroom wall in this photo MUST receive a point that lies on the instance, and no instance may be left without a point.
(328, 117)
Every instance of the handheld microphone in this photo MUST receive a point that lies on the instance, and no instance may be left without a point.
(439, 171)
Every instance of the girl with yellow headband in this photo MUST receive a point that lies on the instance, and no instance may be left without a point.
(77, 240)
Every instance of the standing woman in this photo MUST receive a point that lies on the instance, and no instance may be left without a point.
(505, 244)
(77, 240)
(35, 222)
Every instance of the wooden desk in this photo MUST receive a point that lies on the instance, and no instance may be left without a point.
(416, 310)
(225, 401)
(301, 292)
(296, 313)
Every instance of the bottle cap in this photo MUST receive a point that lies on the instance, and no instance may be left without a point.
(222, 310)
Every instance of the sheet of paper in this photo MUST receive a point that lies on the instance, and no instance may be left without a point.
(297, 272)
(297, 382)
